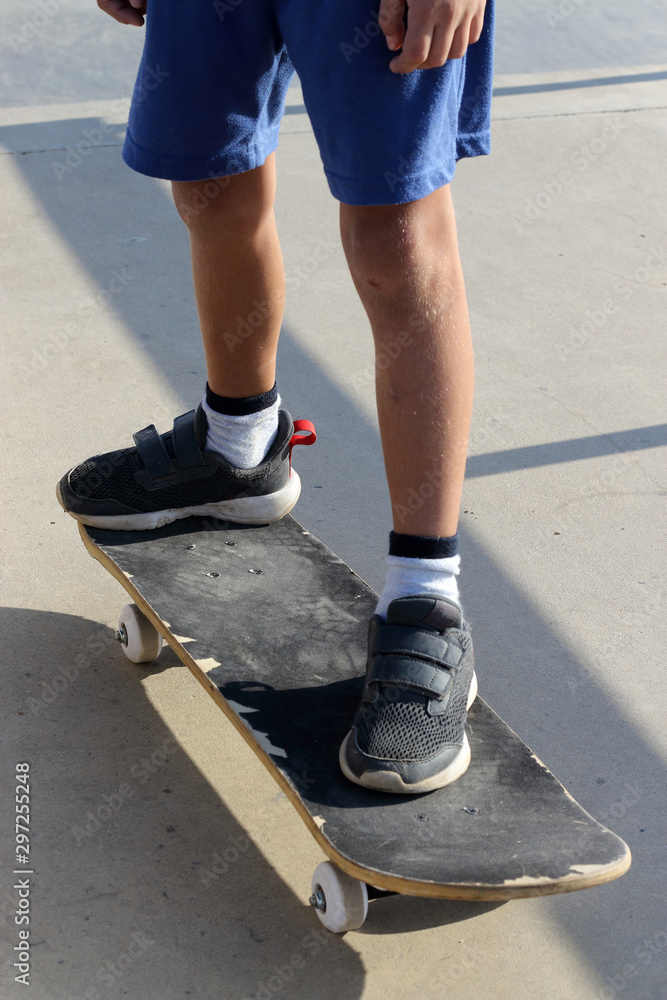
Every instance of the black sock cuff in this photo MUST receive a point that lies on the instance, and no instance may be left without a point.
(240, 407)
(423, 546)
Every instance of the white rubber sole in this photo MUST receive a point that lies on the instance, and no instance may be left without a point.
(391, 781)
(242, 510)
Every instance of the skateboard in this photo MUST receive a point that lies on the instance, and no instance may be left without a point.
(273, 625)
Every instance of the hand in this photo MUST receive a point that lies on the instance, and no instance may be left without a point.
(437, 30)
(125, 11)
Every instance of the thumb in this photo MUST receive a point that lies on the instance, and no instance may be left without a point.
(390, 19)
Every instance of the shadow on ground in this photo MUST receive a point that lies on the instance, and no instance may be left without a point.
(578, 729)
(117, 802)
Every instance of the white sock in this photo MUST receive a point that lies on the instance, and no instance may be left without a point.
(244, 441)
(407, 577)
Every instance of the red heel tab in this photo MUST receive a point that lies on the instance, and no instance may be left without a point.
(304, 433)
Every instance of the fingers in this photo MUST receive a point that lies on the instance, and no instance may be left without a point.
(391, 19)
(459, 42)
(476, 26)
(430, 42)
(125, 11)
(416, 48)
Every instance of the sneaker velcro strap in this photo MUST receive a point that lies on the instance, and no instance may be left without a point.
(417, 642)
(153, 453)
(186, 446)
(410, 672)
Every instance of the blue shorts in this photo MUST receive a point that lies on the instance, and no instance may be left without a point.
(211, 89)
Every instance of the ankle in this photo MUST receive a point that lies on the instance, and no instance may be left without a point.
(241, 430)
(419, 564)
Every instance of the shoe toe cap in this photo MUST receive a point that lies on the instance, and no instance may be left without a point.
(402, 776)
(75, 503)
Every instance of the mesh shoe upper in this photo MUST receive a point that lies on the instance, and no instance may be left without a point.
(406, 716)
(404, 730)
(115, 477)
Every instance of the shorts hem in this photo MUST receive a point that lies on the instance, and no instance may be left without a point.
(396, 189)
(474, 144)
(390, 189)
(191, 168)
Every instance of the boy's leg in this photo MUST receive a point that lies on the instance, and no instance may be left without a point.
(408, 733)
(206, 114)
(238, 276)
(405, 264)
(230, 457)
(239, 286)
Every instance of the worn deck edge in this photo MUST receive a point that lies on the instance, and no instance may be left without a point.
(381, 880)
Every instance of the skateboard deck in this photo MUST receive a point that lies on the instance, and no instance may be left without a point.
(273, 625)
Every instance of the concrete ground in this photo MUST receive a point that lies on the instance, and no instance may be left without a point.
(138, 785)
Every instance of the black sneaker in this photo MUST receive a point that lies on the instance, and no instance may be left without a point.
(170, 476)
(408, 734)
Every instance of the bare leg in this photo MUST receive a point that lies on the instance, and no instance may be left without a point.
(238, 276)
(404, 261)
(405, 264)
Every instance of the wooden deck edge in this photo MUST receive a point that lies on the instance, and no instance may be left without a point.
(479, 891)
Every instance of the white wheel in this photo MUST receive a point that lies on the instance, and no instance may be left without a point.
(340, 901)
(141, 641)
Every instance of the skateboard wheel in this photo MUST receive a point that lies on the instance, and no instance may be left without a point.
(140, 640)
(340, 901)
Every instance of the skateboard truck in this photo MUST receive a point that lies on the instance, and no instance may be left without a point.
(140, 640)
(341, 901)
(318, 901)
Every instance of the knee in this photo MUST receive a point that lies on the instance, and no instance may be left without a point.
(234, 204)
(384, 249)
